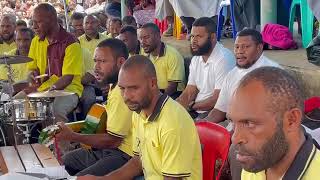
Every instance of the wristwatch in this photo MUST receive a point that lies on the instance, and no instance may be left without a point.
(52, 88)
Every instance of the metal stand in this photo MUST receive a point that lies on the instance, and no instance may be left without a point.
(13, 116)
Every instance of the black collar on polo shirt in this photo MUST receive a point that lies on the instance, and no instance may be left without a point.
(159, 105)
(302, 160)
(89, 39)
(162, 50)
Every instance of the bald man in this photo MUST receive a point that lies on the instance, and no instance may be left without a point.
(269, 141)
(57, 53)
(7, 27)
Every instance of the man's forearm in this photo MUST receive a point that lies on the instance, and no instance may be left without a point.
(207, 104)
(216, 116)
(63, 82)
(172, 88)
(100, 141)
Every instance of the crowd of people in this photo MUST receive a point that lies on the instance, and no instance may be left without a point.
(152, 103)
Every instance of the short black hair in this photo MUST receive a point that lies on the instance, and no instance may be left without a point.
(206, 22)
(255, 35)
(284, 91)
(116, 20)
(27, 30)
(130, 29)
(128, 20)
(21, 22)
(48, 8)
(143, 63)
(77, 16)
(152, 26)
(119, 49)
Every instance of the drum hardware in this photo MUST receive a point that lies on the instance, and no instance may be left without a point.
(25, 114)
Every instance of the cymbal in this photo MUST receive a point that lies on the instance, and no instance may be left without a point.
(50, 94)
(6, 59)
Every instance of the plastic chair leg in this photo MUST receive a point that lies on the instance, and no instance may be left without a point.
(307, 24)
(220, 24)
(234, 30)
(292, 16)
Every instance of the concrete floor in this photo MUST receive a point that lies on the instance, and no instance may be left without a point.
(295, 61)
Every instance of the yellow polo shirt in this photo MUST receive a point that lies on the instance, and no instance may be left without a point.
(88, 63)
(119, 120)
(306, 165)
(169, 67)
(167, 142)
(71, 64)
(5, 48)
(91, 44)
(20, 72)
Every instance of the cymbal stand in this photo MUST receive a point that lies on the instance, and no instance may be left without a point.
(13, 116)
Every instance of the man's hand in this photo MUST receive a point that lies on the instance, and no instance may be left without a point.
(65, 133)
(32, 77)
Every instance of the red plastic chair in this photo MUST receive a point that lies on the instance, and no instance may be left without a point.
(215, 141)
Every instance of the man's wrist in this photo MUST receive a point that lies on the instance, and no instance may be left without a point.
(191, 104)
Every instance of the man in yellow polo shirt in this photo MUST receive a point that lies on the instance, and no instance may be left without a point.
(114, 148)
(7, 27)
(167, 60)
(89, 41)
(57, 53)
(165, 140)
(23, 40)
(269, 141)
(128, 34)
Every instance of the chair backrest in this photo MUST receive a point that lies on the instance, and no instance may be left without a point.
(215, 141)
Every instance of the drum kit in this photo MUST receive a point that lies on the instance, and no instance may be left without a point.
(23, 115)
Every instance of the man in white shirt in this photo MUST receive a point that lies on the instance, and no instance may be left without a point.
(208, 69)
(248, 50)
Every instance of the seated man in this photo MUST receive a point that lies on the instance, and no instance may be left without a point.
(128, 34)
(76, 21)
(23, 40)
(114, 27)
(7, 27)
(209, 66)
(89, 41)
(266, 111)
(112, 149)
(162, 148)
(167, 60)
(129, 21)
(248, 49)
(56, 53)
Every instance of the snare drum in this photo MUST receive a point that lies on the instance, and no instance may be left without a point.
(21, 109)
(39, 109)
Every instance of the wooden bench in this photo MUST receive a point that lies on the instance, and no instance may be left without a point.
(25, 157)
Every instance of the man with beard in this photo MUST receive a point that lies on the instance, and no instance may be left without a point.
(248, 49)
(209, 66)
(167, 60)
(270, 143)
(162, 148)
(112, 149)
(56, 53)
(128, 34)
(89, 40)
(76, 21)
(7, 27)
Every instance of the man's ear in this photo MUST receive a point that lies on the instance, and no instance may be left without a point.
(213, 37)
(120, 61)
(292, 119)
